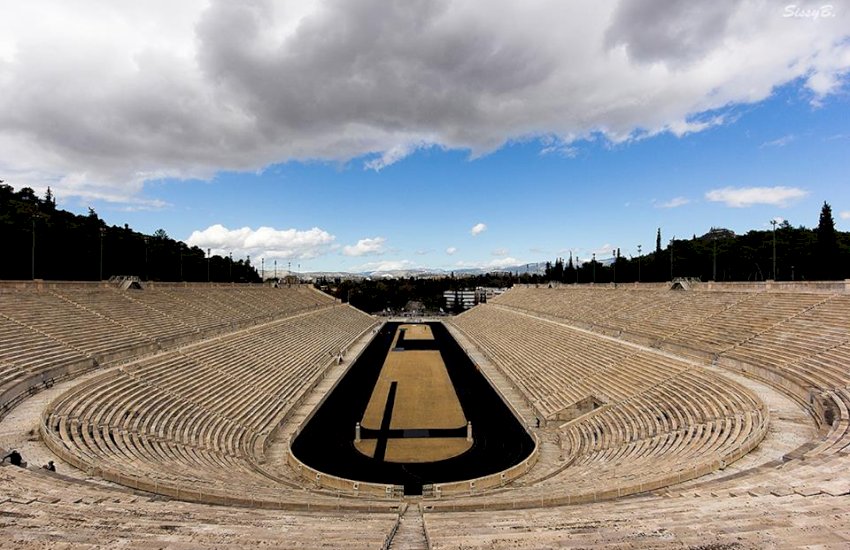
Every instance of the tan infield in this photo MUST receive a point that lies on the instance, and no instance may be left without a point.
(366, 446)
(417, 332)
(429, 449)
(425, 399)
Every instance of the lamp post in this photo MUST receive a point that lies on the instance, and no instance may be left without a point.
(593, 264)
(32, 256)
(181, 263)
(639, 263)
(262, 269)
(614, 255)
(714, 262)
(102, 231)
(773, 223)
(275, 270)
(231, 266)
(671, 257)
(146, 256)
(208, 264)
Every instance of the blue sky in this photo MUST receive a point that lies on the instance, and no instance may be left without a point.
(536, 205)
(363, 135)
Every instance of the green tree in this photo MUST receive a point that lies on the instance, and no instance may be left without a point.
(827, 244)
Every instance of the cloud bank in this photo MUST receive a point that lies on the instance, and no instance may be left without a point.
(742, 197)
(263, 242)
(675, 202)
(101, 97)
(365, 247)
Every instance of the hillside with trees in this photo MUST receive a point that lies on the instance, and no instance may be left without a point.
(802, 254)
(41, 241)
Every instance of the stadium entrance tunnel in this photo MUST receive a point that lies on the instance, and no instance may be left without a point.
(413, 410)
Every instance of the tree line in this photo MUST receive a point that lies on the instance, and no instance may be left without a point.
(43, 242)
(801, 254)
(379, 295)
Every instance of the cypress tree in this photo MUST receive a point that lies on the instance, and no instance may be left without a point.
(827, 244)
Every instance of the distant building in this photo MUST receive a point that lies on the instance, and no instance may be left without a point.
(716, 233)
(469, 298)
(486, 293)
(465, 299)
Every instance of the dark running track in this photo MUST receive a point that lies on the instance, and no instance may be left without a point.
(381, 445)
(327, 441)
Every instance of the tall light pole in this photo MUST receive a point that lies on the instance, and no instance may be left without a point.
(181, 263)
(102, 231)
(32, 257)
(593, 263)
(714, 262)
(275, 270)
(614, 255)
(263, 269)
(145, 238)
(209, 250)
(671, 257)
(231, 266)
(773, 223)
(639, 263)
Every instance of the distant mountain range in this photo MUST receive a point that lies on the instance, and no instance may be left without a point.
(532, 268)
(538, 268)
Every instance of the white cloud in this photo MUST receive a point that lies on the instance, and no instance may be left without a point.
(116, 94)
(779, 142)
(386, 265)
(673, 203)
(392, 155)
(500, 252)
(263, 242)
(845, 215)
(365, 247)
(478, 229)
(555, 145)
(451, 250)
(741, 197)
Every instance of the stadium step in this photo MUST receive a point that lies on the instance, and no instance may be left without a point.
(410, 533)
(517, 401)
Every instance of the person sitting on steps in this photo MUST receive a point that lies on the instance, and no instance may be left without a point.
(50, 466)
(15, 458)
